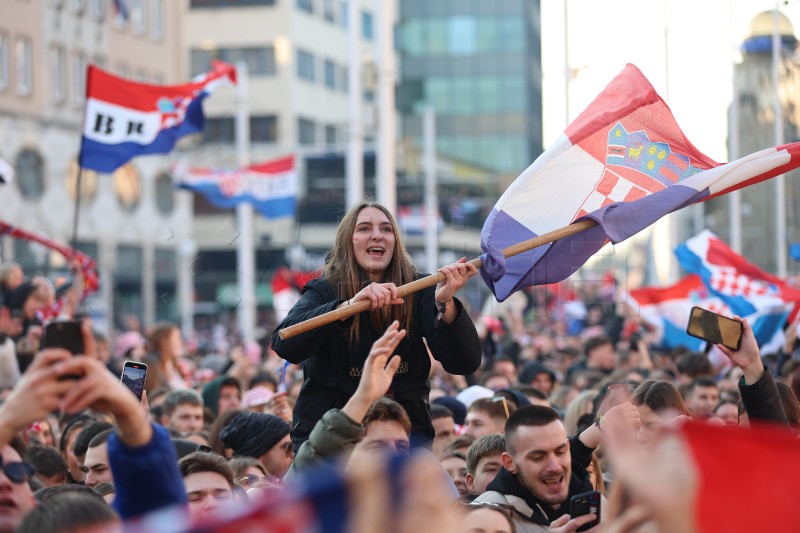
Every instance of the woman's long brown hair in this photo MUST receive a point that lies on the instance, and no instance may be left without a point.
(347, 278)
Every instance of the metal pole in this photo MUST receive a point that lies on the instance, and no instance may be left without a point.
(734, 198)
(386, 176)
(355, 141)
(244, 216)
(431, 200)
(780, 181)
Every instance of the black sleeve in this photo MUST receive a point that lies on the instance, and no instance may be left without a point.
(762, 401)
(455, 345)
(581, 453)
(317, 299)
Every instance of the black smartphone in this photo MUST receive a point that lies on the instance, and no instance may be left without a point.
(715, 328)
(133, 376)
(583, 504)
(65, 334)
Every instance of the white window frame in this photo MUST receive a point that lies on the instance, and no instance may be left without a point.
(58, 72)
(98, 9)
(157, 27)
(138, 16)
(4, 54)
(24, 59)
(79, 69)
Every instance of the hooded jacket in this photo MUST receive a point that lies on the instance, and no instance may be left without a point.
(332, 367)
(530, 514)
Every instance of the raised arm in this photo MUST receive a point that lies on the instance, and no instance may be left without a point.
(759, 392)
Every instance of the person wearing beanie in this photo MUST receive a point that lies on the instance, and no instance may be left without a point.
(537, 375)
(262, 436)
(458, 409)
(222, 394)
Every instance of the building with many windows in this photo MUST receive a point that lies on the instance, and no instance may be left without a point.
(131, 221)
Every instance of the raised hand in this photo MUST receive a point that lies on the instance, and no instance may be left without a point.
(456, 276)
(378, 372)
(748, 356)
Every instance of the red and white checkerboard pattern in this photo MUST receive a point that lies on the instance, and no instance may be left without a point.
(610, 189)
(730, 283)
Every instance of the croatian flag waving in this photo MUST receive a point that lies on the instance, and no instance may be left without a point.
(125, 119)
(625, 163)
(668, 309)
(270, 187)
(744, 287)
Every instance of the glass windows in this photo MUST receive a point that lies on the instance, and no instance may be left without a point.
(4, 53)
(200, 4)
(264, 129)
(165, 193)
(461, 36)
(330, 74)
(157, 19)
(305, 65)
(78, 78)
(24, 57)
(330, 136)
(58, 70)
(305, 5)
(260, 61)
(306, 132)
(367, 29)
(29, 173)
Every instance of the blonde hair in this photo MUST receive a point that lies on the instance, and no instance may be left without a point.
(347, 278)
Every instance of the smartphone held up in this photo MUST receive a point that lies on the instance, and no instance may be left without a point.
(583, 504)
(714, 328)
(66, 334)
(133, 376)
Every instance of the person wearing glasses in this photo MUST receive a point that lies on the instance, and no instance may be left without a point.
(16, 498)
(140, 454)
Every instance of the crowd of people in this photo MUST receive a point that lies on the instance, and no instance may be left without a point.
(437, 417)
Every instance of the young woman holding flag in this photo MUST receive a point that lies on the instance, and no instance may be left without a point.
(368, 262)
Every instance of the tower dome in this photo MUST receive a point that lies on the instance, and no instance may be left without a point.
(759, 41)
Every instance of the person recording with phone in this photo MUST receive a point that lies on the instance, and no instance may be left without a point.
(760, 395)
(140, 454)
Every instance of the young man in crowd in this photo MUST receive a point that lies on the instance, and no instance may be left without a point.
(222, 394)
(15, 493)
(483, 462)
(487, 416)
(537, 478)
(702, 397)
(537, 375)
(600, 356)
(444, 426)
(208, 479)
(183, 411)
(95, 465)
(260, 436)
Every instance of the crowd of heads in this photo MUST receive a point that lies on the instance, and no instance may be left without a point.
(547, 378)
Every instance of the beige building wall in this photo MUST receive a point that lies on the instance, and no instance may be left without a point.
(118, 210)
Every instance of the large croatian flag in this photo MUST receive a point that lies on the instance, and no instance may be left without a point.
(668, 309)
(125, 119)
(625, 163)
(744, 287)
(270, 186)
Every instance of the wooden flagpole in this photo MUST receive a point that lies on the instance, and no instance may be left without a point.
(433, 279)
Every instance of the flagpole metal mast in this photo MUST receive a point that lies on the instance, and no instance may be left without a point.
(355, 135)
(76, 214)
(780, 181)
(386, 177)
(431, 201)
(244, 216)
(735, 197)
(433, 279)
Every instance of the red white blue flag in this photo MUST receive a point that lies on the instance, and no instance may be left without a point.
(744, 287)
(125, 119)
(270, 186)
(625, 163)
